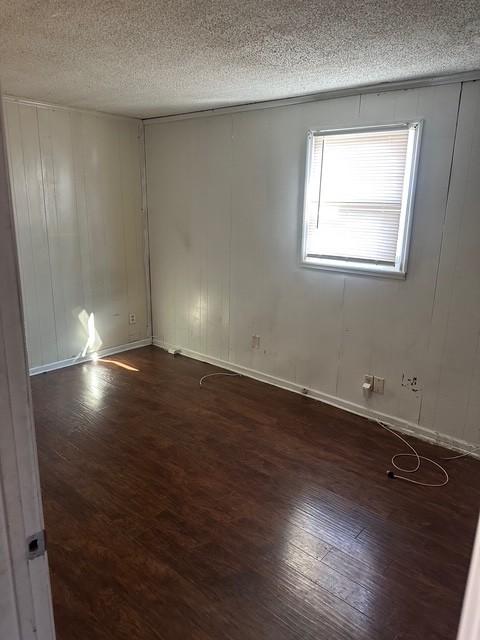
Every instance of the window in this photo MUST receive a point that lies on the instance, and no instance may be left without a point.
(358, 198)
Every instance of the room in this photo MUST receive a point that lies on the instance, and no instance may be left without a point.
(240, 320)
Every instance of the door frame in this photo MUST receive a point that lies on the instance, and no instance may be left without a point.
(470, 620)
(25, 596)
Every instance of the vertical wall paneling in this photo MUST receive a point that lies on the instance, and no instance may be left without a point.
(191, 243)
(225, 197)
(31, 223)
(452, 399)
(77, 187)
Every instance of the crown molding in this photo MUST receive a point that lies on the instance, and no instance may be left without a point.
(59, 107)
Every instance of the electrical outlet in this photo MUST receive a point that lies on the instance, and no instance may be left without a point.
(411, 383)
(378, 385)
(132, 319)
(255, 342)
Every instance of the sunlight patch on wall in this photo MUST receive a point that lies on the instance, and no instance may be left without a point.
(93, 341)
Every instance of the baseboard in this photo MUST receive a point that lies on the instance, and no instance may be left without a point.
(60, 364)
(399, 424)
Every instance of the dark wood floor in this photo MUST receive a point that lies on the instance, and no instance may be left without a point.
(237, 511)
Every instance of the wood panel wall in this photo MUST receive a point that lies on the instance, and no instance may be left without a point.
(225, 200)
(77, 190)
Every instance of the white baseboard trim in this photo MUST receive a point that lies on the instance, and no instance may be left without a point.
(399, 424)
(60, 364)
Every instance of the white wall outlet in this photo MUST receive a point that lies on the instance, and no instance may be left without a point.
(132, 319)
(255, 342)
(378, 385)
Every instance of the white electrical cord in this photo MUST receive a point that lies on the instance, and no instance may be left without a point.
(419, 459)
(461, 455)
(209, 375)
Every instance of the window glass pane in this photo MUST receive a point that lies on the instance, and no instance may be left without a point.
(354, 195)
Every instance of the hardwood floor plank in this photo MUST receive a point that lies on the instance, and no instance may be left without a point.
(416, 607)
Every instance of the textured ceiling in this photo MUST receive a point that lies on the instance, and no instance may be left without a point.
(157, 57)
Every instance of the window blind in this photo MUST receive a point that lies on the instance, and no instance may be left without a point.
(354, 195)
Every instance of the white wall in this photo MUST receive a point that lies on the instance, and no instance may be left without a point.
(77, 190)
(224, 199)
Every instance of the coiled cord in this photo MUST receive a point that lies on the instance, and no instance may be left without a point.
(419, 460)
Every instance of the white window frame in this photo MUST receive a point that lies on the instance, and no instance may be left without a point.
(354, 266)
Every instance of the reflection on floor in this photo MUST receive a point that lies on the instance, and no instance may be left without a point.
(237, 511)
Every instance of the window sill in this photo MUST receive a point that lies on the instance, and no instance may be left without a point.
(359, 269)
